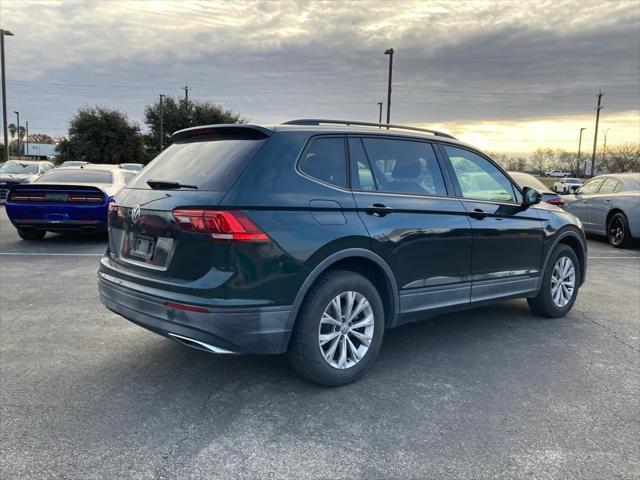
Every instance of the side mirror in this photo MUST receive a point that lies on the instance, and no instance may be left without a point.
(530, 196)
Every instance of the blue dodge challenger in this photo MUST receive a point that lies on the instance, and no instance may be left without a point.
(65, 199)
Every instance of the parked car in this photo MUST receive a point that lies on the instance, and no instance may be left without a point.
(556, 173)
(15, 172)
(314, 236)
(528, 180)
(609, 205)
(567, 185)
(65, 199)
(74, 163)
(134, 167)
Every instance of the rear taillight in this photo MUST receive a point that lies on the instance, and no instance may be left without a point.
(27, 197)
(84, 198)
(556, 201)
(220, 225)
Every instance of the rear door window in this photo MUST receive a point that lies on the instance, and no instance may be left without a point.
(591, 187)
(325, 159)
(361, 174)
(209, 164)
(405, 166)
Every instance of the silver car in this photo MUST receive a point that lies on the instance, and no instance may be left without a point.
(609, 205)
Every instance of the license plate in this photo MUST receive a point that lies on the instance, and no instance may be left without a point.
(142, 247)
(56, 217)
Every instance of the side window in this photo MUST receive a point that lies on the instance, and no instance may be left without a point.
(325, 159)
(591, 187)
(609, 186)
(361, 175)
(478, 178)
(405, 166)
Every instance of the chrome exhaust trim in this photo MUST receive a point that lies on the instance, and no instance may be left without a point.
(190, 342)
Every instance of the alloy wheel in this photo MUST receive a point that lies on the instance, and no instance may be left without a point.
(616, 231)
(346, 330)
(563, 282)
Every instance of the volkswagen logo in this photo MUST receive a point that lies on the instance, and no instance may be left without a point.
(135, 213)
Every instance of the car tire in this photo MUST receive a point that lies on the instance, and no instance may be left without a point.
(350, 357)
(31, 234)
(560, 284)
(618, 233)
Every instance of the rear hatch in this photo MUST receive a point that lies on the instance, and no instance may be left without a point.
(160, 225)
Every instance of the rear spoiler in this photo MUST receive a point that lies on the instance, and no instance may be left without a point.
(224, 131)
(44, 187)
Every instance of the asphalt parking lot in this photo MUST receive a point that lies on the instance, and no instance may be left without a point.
(488, 393)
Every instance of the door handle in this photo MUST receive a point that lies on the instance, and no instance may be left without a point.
(478, 214)
(378, 209)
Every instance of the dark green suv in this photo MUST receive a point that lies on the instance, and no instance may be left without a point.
(314, 236)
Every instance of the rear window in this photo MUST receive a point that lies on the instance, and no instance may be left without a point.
(207, 164)
(76, 176)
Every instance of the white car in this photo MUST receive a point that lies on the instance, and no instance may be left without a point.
(567, 185)
(556, 173)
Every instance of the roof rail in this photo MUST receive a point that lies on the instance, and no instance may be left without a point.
(318, 121)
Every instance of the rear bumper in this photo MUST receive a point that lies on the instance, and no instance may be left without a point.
(256, 330)
(62, 225)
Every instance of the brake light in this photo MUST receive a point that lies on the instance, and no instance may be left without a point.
(77, 198)
(27, 197)
(220, 225)
(556, 201)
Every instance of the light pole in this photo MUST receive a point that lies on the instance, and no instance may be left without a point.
(4, 93)
(380, 113)
(161, 122)
(18, 116)
(604, 147)
(390, 53)
(579, 148)
(26, 153)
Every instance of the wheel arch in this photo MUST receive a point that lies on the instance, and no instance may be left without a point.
(360, 261)
(577, 243)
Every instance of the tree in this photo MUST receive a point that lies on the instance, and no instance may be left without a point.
(101, 135)
(622, 158)
(179, 114)
(541, 158)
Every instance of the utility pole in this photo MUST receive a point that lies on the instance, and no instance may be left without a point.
(380, 113)
(4, 94)
(595, 134)
(186, 92)
(27, 147)
(18, 116)
(390, 53)
(579, 149)
(604, 147)
(161, 122)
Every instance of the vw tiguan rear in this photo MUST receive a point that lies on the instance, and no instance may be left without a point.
(313, 237)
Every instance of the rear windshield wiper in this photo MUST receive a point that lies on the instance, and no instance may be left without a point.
(167, 185)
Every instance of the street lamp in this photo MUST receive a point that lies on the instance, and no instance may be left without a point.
(579, 147)
(380, 113)
(161, 122)
(18, 116)
(390, 53)
(4, 93)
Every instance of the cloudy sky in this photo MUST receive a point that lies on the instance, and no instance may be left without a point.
(504, 75)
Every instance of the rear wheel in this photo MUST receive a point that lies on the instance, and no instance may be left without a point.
(559, 285)
(618, 231)
(339, 329)
(31, 234)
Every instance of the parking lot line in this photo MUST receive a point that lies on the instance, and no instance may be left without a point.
(38, 254)
(614, 256)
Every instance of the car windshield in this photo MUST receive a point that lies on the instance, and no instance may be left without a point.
(73, 163)
(526, 180)
(573, 180)
(79, 175)
(19, 168)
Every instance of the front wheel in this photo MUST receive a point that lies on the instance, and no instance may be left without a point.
(559, 285)
(618, 231)
(31, 234)
(339, 329)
